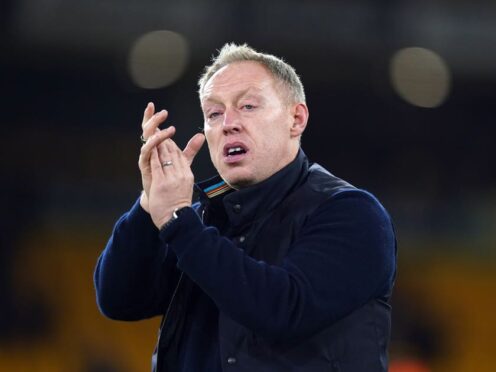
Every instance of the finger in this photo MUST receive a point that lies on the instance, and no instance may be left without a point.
(160, 137)
(150, 127)
(173, 155)
(183, 162)
(152, 143)
(170, 145)
(162, 146)
(155, 165)
(194, 145)
(149, 111)
(171, 151)
(162, 149)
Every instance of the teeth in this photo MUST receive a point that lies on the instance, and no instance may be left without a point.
(234, 149)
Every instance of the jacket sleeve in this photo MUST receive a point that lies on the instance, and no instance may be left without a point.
(134, 275)
(343, 257)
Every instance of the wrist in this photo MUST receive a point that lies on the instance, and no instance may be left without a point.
(175, 215)
(144, 202)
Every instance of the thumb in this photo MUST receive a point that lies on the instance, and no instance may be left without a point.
(194, 145)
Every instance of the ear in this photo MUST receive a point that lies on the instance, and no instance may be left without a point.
(300, 119)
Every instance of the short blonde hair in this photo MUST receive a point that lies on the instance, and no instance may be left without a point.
(279, 69)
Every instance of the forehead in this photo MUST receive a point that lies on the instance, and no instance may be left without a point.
(238, 77)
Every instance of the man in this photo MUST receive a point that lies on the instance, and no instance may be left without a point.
(280, 266)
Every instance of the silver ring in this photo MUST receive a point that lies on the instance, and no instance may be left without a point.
(142, 139)
(167, 163)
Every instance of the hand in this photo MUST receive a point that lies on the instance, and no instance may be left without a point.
(149, 125)
(171, 185)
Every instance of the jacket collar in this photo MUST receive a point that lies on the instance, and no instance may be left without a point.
(250, 203)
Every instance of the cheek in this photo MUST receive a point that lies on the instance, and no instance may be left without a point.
(209, 136)
(277, 133)
(212, 144)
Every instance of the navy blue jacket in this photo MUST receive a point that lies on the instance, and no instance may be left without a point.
(291, 274)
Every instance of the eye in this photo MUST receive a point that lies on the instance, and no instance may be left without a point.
(248, 107)
(213, 115)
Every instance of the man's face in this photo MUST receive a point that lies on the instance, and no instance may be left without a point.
(247, 123)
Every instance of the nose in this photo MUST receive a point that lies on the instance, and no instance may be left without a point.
(232, 122)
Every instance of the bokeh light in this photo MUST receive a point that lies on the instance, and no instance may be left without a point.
(158, 59)
(420, 76)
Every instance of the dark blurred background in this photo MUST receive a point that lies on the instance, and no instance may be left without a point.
(401, 97)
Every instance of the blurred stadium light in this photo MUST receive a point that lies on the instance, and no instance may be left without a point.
(157, 59)
(420, 76)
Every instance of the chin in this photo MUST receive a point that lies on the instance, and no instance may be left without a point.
(240, 184)
(238, 181)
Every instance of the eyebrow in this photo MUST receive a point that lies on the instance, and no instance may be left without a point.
(244, 93)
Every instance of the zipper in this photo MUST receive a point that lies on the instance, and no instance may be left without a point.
(166, 315)
(170, 302)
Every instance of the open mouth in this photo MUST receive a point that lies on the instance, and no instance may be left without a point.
(233, 150)
(238, 150)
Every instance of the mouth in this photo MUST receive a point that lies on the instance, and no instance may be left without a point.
(234, 152)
